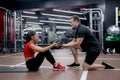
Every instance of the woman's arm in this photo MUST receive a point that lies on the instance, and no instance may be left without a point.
(43, 49)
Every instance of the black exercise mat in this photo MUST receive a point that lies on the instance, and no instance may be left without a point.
(13, 69)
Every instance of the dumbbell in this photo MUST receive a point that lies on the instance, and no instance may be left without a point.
(59, 43)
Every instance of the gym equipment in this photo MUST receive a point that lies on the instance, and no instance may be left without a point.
(113, 29)
(13, 69)
(112, 40)
(113, 33)
(11, 29)
(59, 44)
(51, 33)
(70, 33)
(117, 17)
(96, 18)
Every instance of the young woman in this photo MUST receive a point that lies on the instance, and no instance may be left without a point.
(33, 63)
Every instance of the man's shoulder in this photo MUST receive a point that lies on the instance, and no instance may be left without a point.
(83, 27)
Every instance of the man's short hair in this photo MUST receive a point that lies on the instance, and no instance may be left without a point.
(76, 18)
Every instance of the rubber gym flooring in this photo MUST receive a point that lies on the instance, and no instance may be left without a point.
(15, 63)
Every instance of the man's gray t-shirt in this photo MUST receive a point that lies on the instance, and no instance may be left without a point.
(90, 43)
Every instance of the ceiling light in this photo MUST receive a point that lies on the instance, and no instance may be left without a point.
(33, 23)
(63, 27)
(61, 16)
(54, 22)
(82, 18)
(72, 12)
(55, 15)
(59, 19)
(28, 12)
(29, 16)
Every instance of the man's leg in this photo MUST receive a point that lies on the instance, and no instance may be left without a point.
(86, 66)
(75, 55)
(89, 62)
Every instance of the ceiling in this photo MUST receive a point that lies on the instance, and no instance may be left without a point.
(41, 8)
(33, 4)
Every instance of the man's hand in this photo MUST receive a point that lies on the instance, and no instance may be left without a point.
(63, 46)
(76, 46)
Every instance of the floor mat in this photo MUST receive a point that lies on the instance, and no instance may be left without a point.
(13, 69)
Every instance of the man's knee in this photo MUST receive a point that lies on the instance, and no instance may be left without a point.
(85, 66)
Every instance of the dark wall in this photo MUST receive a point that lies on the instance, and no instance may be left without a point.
(110, 12)
(31, 4)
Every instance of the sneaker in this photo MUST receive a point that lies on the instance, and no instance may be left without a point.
(59, 67)
(74, 65)
(107, 66)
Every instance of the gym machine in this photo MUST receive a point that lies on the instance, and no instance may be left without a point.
(96, 19)
(11, 37)
(18, 29)
(7, 40)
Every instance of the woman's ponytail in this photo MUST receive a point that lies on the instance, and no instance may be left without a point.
(28, 36)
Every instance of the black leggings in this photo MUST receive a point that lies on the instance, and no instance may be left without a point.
(34, 63)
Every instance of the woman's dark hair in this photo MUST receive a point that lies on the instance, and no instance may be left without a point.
(28, 36)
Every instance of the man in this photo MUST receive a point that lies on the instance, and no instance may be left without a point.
(86, 41)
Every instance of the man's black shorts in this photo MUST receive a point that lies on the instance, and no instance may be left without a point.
(91, 57)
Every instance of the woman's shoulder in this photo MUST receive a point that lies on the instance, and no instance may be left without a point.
(27, 44)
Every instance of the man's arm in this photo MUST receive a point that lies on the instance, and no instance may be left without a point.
(75, 43)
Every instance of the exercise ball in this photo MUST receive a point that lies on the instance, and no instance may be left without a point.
(113, 29)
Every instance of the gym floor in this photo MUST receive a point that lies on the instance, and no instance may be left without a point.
(64, 57)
